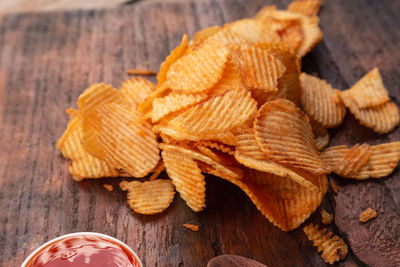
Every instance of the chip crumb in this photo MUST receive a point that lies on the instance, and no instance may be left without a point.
(140, 72)
(367, 215)
(108, 187)
(192, 227)
(326, 217)
(335, 187)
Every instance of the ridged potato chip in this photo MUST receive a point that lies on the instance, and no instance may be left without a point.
(199, 70)
(381, 119)
(284, 202)
(253, 31)
(159, 92)
(160, 167)
(318, 99)
(135, 90)
(292, 36)
(312, 35)
(231, 80)
(202, 35)
(334, 154)
(321, 135)
(149, 197)
(225, 37)
(291, 143)
(305, 7)
(170, 59)
(369, 91)
(118, 135)
(230, 150)
(367, 215)
(96, 95)
(353, 160)
(333, 247)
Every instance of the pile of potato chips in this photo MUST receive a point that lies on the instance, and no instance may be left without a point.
(227, 103)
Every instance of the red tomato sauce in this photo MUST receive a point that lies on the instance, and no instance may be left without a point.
(83, 251)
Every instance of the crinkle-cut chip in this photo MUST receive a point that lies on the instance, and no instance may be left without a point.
(149, 197)
(381, 119)
(135, 90)
(90, 167)
(369, 91)
(317, 97)
(306, 7)
(367, 215)
(334, 154)
(326, 217)
(160, 91)
(321, 135)
(170, 59)
(192, 227)
(259, 69)
(173, 102)
(157, 170)
(231, 80)
(186, 177)
(216, 115)
(291, 143)
(262, 97)
(333, 247)
(203, 35)
(292, 35)
(312, 35)
(250, 155)
(253, 31)
(353, 160)
(118, 135)
(97, 95)
(230, 150)
(224, 37)
(199, 70)
(265, 12)
(284, 202)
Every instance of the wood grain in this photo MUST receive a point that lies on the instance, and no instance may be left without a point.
(47, 60)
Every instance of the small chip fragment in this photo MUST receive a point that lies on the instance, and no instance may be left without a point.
(135, 90)
(109, 187)
(333, 247)
(367, 215)
(355, 158)
(140, 72)
(326, 217)
(157, 170)
(149, 197)
(334, 186)
(192, 227)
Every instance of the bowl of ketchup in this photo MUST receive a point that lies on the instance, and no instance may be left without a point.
(84, 249)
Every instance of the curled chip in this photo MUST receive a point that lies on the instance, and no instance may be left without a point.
(253, 31)
(170, 59)
(306, 7)
(135, 90)
(312, 35)
(231, 80)
(333, 247)
(291, 143)
(199, 70)
(117, 134)
(217, 115)
(382, 118)
(318, 99)
(353, 160)
(160, 167)
(284, 202)
(259, 69)
(321, 135)
(292, 35)
(216, 145)
(203, 35)
(326, 217)
(369, 91)
(150, 197)
(160, 91)
(367, 215)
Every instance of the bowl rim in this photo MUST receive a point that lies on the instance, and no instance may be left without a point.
(26, 261)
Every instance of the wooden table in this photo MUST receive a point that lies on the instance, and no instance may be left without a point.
(47, 60)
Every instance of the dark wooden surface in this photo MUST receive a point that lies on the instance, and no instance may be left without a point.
(46, 61)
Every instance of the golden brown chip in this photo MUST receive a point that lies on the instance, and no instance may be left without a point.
(253, 31)
(333, 247)
(381, 119)
(159, 92)
(135, 90)
(171, 58)
(216, 145)
(203, 35)
(369, 91)
(291, 143)
(231, 80)
(321, 135)
(312, 35)
(335, 187)
(192, 227)
(334, 154)
(150, 197)
(367, 215)
(217, 115)
(326, 217)
(292, 36)
(140, 72)
(317, 97)
(157, 170)
(353, 160)
(199, 70)
(305, 7)
(108, 187)
(225, 37)
(118, 135)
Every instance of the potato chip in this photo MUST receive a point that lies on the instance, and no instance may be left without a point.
(192, 227)
(199, 70)
(259, 69)
(108, 187)
(135, 90)
(159, 92)
(312, 35)
(117, 134)
(335, 187)
(326, 217)
(369, 91)
(231, 80)
(225, 37)
(253, 31)
(157, 170)
(334, 154)
(367, 215)
(216, 145)
(333, 247)
(321, 135)
(171, 58)
(202, 35)
(291, 143)
(284, 202)
(305, 7)
(140, 72)
(292, 35)
(265, 12)
(217, 115)
(317, 97)
(89, 167)
(353, 160)
(149, 197)
(381, 119)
